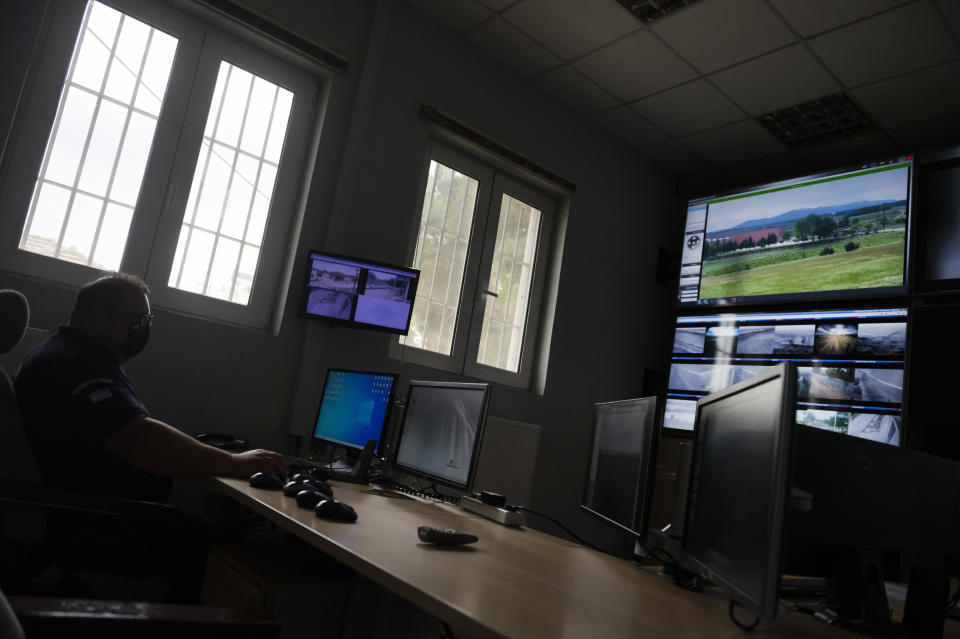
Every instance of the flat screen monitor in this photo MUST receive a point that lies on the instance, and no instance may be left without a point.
(739, 486)
(850, 365)
(354, 407)
(938, 221)
(623, 462)
(359, 293)
(440, 436)
(834, 235)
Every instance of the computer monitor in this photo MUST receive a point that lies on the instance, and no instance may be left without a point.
(740, 485)
(839, 234)
(353, 408)
(850, 365)
(623, 459)
(440, 436)
(358, 292)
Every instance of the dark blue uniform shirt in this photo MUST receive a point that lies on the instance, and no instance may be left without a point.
(73, 395)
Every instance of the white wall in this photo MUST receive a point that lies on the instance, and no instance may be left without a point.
(612, 319)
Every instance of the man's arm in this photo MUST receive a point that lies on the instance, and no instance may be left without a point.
(160, 448)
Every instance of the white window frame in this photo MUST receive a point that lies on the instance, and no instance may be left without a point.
(158, 214)
(494, 180)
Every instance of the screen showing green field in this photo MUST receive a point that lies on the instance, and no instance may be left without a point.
(830, 235)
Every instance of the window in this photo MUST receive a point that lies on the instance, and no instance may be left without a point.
(482, 247)
(155, 145)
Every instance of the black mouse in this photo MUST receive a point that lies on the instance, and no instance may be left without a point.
(336, 510)
(309, 498)
(294, 487)
(268, 481)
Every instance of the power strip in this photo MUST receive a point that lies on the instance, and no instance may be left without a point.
(499, 515)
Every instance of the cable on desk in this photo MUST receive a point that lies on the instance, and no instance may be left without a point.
(686, 579)
(567, 530)
(739, 624)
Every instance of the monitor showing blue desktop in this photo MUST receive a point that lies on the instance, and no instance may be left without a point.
(354, 407)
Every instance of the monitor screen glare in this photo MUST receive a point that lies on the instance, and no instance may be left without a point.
(354, 407)
(838, 234)
(623, 456)
(442, 430)
(360, 292)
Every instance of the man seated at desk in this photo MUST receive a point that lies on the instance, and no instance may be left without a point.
(91, 434)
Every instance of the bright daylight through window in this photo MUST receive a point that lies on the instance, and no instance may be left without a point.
(94, 164)
(481, 252)
(174, 152)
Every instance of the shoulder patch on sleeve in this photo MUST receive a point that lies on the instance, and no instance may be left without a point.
(98, 387)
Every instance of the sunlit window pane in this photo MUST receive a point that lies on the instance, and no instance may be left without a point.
(100, 142)
(445, 224)
(511, 278)
(232, 187)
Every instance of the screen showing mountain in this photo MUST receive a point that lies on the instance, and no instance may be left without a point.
(831, 235)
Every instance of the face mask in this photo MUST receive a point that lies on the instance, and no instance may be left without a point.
(135, 341)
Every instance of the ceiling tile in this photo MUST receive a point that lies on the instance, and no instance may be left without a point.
(573, 88)
(809, 17)
(735, 143)
(629, 126)
(716, 34)
(635, 66)
(571, 28)
(676, 157)
(862, 148)
(459, 15)
(498, 5)
(777, 80)
(511, 47)
(928, 135)
(951, 10)
(889, 44)
(923, 95)
(694, 106)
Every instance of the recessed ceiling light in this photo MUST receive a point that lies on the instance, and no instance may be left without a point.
(820, 120)
(651, 10)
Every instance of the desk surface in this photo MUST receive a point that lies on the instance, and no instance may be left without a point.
(514, 582)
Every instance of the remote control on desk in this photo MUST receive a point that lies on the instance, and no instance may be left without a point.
(444, 536)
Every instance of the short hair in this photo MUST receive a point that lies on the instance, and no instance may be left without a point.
(106, 294)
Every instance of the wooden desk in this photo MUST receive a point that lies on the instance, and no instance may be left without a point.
(516, 583)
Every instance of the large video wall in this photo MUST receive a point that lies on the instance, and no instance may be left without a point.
(813, 271)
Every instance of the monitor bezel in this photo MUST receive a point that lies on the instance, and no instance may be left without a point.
(926, 163)
(386, 417)
(829, 296)
(648, 475)
(477, 443)
(305, 292)
(778, 493)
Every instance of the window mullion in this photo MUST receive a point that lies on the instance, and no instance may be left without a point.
(443, 223)
(86, 142)
(254, 187)
(123, 136)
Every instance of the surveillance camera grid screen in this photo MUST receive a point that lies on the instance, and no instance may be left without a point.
(850, 365)
(832, 235)
(440, 431)
(360, 292)
(353, 407)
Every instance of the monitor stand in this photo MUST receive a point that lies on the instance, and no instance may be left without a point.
(358, 474)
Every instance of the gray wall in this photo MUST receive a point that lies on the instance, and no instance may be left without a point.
(612, 320)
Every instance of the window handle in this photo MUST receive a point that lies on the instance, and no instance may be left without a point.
(490, 293)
